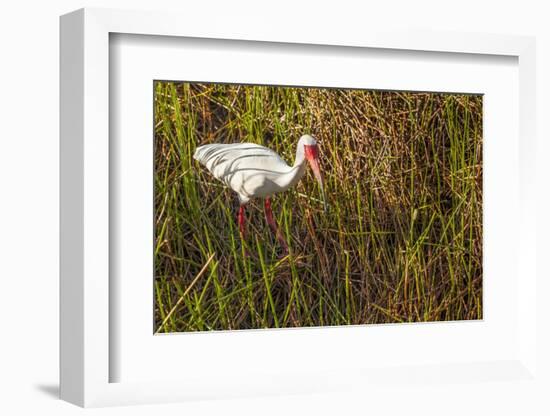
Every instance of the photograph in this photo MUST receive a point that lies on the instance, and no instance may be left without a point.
(291, 207)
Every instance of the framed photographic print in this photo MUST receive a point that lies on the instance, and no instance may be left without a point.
(292, 212)
(387, 229)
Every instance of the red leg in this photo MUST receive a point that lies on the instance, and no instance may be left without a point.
(273, 224)
(241, 219)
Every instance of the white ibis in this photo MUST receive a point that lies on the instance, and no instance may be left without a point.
(254, 171)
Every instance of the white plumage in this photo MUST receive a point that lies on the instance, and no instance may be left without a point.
(252, 170)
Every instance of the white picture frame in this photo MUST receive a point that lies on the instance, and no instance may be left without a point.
(85, 216)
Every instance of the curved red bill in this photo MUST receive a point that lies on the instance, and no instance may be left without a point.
(312, 156)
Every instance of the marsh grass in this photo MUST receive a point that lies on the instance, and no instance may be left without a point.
(401, 241)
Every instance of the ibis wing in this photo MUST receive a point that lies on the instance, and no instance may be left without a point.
(224, 159)
(247, 168)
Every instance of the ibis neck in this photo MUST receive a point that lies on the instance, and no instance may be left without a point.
(296, 171)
